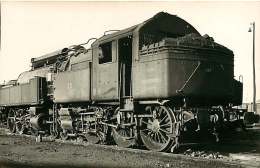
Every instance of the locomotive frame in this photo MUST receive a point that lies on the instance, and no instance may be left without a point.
(147, 85)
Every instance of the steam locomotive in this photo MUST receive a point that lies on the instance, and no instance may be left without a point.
(149, 84)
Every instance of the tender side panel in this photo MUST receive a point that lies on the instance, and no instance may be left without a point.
(150, 79)
(205, 77)
(72, 86)
(24, 94)
(204, 82)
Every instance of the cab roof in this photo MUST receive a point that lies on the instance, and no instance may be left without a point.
(162, 21)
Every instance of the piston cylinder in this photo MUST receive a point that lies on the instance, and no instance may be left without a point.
(66, 124)
(38, 121)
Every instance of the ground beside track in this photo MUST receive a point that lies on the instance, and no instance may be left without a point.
(20, 151)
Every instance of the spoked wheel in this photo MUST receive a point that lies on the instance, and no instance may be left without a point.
(124, 134)
(158, 128)
(20, 127)
(11, 122)
(92, 138)
(94, 132)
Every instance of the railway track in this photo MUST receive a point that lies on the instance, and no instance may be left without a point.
(243, 153)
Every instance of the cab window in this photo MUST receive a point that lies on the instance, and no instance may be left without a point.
(105, 53)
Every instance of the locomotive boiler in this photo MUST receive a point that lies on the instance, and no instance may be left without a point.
(145, 85)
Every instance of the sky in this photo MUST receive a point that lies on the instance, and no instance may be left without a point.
(32, 29)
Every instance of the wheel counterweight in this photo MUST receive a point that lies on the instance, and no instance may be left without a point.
(124, 134)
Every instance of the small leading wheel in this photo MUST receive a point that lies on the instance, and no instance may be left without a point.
(157, 130)
(124, 134)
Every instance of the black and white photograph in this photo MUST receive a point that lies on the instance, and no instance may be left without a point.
(129, 84)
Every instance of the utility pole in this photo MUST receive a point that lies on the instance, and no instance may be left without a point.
(252, 29)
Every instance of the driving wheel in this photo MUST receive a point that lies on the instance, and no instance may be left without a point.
(157, 129)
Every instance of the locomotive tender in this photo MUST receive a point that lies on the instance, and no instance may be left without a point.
(148, 84)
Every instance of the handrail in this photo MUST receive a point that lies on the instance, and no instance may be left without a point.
(88, 41)
(110, 31)
(187, 81)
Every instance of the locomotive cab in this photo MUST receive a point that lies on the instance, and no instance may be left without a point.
(163, 58)
(112, 67)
